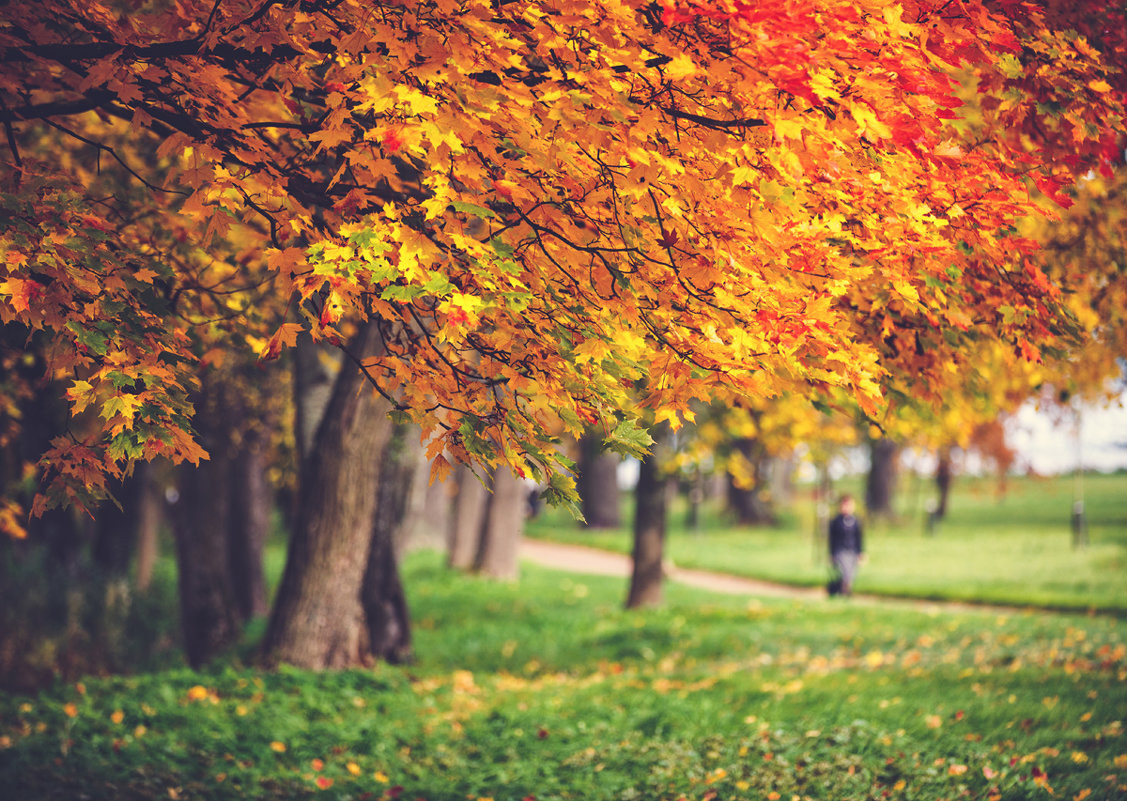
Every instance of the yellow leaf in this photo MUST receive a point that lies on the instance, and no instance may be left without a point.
(1099, 85)
(682, 66)
(80, 394)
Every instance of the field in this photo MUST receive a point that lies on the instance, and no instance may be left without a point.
(547, 689)
(1013, 549)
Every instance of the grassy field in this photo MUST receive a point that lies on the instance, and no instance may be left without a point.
(546, 689)
(1016, 549)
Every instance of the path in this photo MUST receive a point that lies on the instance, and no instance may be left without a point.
(580, 559)
(595, 561)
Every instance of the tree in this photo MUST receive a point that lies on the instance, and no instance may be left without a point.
(880, 484)
(543, 206)
(597, 482)
(648, 562)
(318, 620)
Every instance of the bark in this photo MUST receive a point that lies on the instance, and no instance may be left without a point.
(467, 519)
(209, 617)
(249, 524)
(382, 595)
(649, 530)
(597, 483)
(148, 525)
(880, 487)
(502, 527)
(312, 387)
(318, 621)
(748, 504)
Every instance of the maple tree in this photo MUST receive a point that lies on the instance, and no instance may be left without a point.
(541, 202)
(534, 216)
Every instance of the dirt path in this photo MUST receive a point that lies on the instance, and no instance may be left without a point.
(595, 561)
(579, 559)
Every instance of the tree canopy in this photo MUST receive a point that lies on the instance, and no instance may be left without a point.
(556, 212)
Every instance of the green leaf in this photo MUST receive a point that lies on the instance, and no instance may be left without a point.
(475, 210)
(437, 284)
(561, 492)
(628, 439)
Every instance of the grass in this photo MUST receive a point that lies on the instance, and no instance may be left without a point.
(1014, 550)
(548, 689)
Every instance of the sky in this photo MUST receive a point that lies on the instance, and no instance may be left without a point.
(1050, 446)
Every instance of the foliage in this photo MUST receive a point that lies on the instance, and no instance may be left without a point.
(541, 203)
(1015, 549)
(550, 690)
(1086, 251)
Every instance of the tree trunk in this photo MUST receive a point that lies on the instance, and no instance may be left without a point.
(148, 525)
(747, 503)
(880, 487)
(433, 526)
(209, 616)
(318, 620)
(597, 483)
(115, 527)
(382, 596)
(502, 527)
(649, 529)
(249, 524)
(467, 519)
(943, 483)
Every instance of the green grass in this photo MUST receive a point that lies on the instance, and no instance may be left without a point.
(548, 689)
(1012, 550)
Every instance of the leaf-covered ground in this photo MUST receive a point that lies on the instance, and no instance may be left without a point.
(548, 690)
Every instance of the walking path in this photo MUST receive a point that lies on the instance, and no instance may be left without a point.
(595, 561)
(580, 559)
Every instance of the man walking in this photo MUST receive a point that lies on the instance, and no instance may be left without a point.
(846, 547)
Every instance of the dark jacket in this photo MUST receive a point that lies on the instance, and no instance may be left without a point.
(845, 534)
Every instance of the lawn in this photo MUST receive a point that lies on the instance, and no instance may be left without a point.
(547, 689)
(1015, 549)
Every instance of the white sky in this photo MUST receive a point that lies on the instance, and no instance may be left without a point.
(1050, 445)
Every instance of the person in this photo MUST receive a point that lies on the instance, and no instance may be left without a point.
(846, 546)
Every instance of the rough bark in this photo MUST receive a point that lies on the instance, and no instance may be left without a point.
(880, 487)
(646, 579)
(502, 527)
(467, 519)
(318, 620)
(597, 483)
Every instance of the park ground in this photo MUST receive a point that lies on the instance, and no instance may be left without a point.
(546, 688)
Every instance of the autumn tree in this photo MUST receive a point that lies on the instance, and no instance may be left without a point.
(539, 214)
